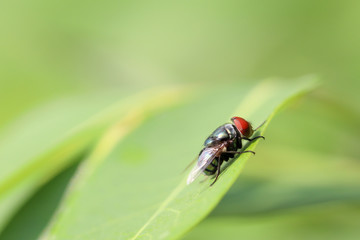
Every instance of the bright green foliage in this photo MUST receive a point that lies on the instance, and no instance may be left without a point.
(134, 189)
(307, 223)
(69, 70)
(47, 140)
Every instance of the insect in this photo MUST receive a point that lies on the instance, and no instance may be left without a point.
(223, 144)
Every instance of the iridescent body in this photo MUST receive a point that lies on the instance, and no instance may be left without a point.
(226, 135)
(223, 144)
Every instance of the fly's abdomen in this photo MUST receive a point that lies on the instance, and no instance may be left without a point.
(211, 169)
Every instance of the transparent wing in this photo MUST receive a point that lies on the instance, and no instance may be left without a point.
(204, 160)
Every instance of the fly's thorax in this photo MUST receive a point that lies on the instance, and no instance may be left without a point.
(223, 133)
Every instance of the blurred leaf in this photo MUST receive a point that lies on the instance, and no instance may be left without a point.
(320, 125)
(43, 142)
(330, 222)
(33, 217)
(132, 189)
(288, 179)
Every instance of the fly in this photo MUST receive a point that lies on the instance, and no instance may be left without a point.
(223, 144)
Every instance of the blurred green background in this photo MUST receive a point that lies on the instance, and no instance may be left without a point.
(305, 179)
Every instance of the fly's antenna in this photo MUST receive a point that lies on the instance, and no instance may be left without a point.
(260, 125)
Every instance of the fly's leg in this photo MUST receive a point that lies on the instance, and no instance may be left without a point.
(217, 171)
(254, 138)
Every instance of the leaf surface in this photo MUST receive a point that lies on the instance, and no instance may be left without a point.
(304, 223)
(46, 140)
(131, 188)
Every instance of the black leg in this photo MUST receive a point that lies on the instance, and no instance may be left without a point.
(252, 139)
(235, 152)
(218, 171)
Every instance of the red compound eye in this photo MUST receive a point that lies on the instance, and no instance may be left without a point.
(243, 126)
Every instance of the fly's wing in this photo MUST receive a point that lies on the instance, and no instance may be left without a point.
(204, 160)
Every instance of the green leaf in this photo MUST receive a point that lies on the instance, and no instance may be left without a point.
(131, 188)
(330, 222)
(30, 220)
(45, 141)
(281, 181)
